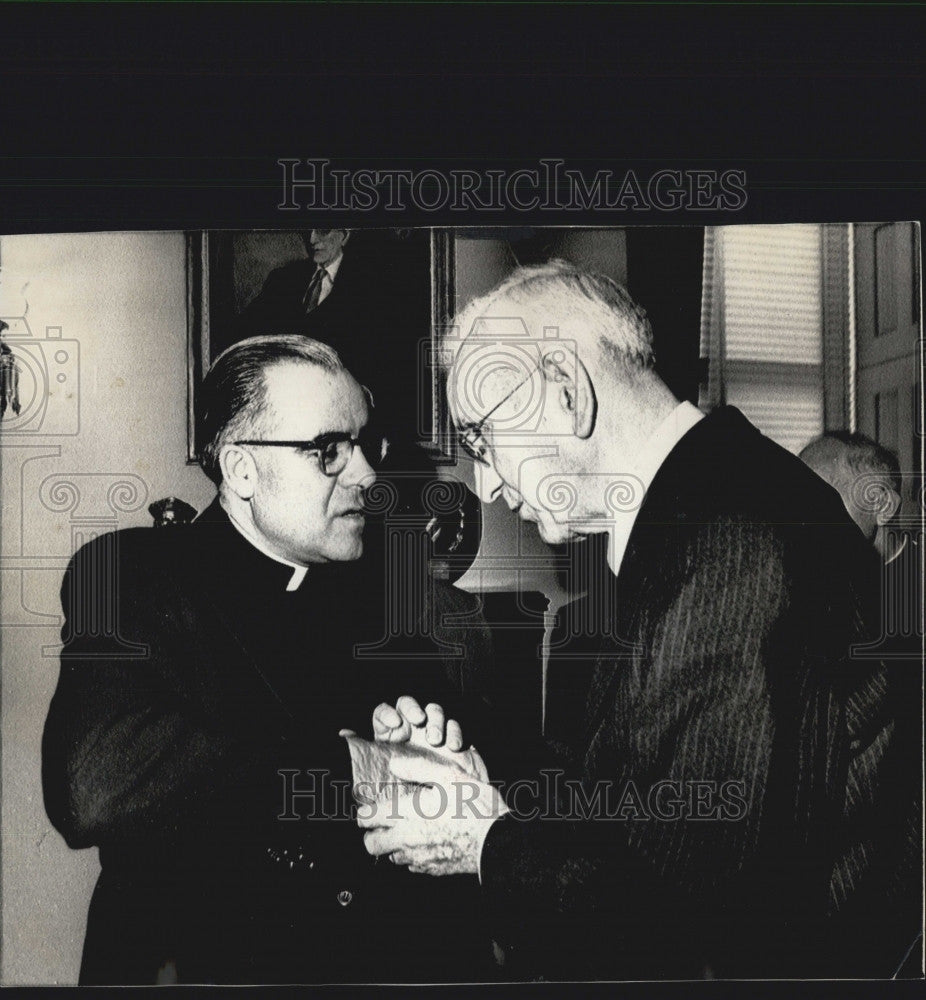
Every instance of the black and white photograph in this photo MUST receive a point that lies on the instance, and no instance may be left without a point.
(353, 700)
(461, 481)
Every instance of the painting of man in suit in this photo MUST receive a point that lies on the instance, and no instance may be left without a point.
(366, 292)
(299, 295)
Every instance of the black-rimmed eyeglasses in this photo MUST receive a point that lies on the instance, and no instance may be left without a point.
(471, 437)
(334, 451)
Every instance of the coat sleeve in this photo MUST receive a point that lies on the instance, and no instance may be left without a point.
(125, 756)
(712, 781)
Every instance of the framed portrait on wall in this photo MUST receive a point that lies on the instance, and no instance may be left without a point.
(375, 295)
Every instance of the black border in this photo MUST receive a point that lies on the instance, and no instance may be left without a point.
(172, 116)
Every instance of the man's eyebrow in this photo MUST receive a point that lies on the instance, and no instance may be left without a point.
(340, 432)
(321, 435)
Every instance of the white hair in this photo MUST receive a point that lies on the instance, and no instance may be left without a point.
(581, 303)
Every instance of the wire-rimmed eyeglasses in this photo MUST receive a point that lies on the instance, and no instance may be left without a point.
(471, 438)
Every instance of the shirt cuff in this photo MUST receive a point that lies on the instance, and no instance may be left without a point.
(482, 841)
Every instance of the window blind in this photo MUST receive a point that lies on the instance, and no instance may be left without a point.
(762, 327)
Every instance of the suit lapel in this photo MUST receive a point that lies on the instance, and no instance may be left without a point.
(646, 578)
(227, 578)
(620, 645)
(246, 659)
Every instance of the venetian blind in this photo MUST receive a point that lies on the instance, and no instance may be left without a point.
(762, 327)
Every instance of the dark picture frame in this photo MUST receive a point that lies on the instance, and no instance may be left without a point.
(404, 287)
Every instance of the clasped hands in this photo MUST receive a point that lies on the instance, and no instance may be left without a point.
(439, 825)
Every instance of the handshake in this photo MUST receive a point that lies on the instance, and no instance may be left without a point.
(441, 804)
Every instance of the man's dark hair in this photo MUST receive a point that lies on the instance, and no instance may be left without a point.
(232, 402)
(855, 454)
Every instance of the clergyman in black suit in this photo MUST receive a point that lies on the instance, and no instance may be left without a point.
(731, 809)
(206, 671)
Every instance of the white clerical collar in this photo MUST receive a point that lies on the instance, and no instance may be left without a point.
(299, 572)
(331, 268)
(646, 464)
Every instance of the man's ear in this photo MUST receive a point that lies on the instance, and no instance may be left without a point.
(573, 389)
(890, 504)
(239, 473)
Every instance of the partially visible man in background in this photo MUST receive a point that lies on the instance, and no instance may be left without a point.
(866, 476)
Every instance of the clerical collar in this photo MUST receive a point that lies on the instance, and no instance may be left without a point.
(647, 463)
(299, 572)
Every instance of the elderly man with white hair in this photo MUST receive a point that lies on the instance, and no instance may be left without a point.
(726, 815)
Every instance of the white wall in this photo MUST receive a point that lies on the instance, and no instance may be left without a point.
(122, 297)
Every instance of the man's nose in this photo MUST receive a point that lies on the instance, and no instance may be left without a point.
(358, 472)
(488, 482)
(313, 237)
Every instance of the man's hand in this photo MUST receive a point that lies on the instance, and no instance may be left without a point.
(437, 828)
(409, 722)
(426, 727)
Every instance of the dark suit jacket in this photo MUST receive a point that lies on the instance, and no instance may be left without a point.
(278, 308)
(723, 658)
(189, 679)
